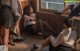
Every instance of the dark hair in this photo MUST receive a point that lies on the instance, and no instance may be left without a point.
(26, 10)
(67, 21)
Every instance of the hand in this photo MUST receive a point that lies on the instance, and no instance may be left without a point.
(19, 15)
(22, 12)
(76, 17)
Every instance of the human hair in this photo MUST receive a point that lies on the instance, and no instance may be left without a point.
(26, 10)
(68, 22)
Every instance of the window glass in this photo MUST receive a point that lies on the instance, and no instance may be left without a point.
(52, 4)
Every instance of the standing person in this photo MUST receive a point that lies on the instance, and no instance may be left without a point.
(17, 12)
(6, 21)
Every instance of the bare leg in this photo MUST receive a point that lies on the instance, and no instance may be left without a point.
(5, 35)
(44, 44)
(65, 8)
(17, 28)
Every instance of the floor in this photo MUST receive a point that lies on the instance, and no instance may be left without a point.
(27, 44)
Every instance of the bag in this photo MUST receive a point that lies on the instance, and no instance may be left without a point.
(2, 48)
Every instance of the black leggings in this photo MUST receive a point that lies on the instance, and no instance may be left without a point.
(30, 29)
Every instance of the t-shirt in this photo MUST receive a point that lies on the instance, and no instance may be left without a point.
(75, 11)
(16, 7)
(67, 36)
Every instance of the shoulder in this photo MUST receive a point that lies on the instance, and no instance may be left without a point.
(63, 31)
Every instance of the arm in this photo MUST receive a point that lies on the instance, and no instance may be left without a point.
(20, 5)
(76, 17)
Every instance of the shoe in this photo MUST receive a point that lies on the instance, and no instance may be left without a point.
(12, 44)
(3, 48)
(13, 33)
(18, 40)
(34, 48)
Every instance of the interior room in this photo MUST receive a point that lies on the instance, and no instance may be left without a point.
(34, 24)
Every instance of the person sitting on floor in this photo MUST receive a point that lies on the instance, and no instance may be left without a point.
(65, 40)
(29, 19)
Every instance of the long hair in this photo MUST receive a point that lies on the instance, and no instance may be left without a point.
(26, 10)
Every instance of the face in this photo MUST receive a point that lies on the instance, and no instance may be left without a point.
(65, 26)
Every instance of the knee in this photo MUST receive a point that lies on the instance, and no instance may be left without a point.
(44, 22)
(39, 21)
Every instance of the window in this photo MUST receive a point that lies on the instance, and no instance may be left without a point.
(52, 4)
(55, 4)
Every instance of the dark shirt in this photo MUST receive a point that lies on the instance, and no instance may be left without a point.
(74, 12)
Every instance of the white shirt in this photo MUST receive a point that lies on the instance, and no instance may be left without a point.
(27, 19)
(67, 38)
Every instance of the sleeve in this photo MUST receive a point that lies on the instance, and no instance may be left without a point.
(55, 42)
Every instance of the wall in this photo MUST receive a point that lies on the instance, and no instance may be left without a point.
(55, 21)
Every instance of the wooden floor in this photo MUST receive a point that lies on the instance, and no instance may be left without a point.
(27, 44)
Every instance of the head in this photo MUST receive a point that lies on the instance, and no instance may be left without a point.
(27, 10)
(67, 23)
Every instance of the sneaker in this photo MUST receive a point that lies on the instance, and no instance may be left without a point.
(3, 48)
(19, 39)
(12, 44)
(34, 48)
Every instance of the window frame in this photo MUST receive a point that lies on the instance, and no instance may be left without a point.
(47, 10)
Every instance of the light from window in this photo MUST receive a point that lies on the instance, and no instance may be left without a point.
(52, 4)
